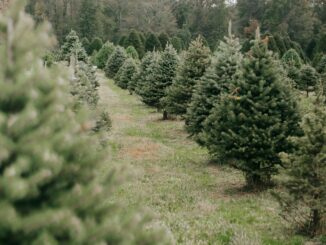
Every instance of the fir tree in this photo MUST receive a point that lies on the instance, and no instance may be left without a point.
(115, 62)
(125, 74)
(303, 200)
(122, 41)
(218, 79)
(87, 19)
(250, 126)
(86, 45)
(193, 67)
(177, 43)
(272, 45)
(55, 180)
(135, 41)
(96, 45)
(308, 79)
(292, 64)
(152, 43)
(132, 53)
(73, 46)
(321, 67)
(159, 77)
(137, 81)
(103, 55)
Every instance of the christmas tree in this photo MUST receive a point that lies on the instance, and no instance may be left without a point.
(152, 43)
(132, 53)
(308, 79)
(96, 45)
(73, 46)
(164, 39)
(250, 125)
(292, 64)
(125, 74)
(192, 68)
(103, 55)
(135, 41)
(303, 200)
(115, 62)
(218, 79)
(56, 182)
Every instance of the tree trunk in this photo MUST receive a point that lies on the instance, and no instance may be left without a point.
(165, 115)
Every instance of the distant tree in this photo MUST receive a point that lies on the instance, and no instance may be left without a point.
(280, 44)
(308, 79)
(164, 39)
(125, 73)
(177, 43)
(272, 45)
(135, 40)
(321, 67)
(122, 41)
(292, 64)
(96, 45)
(86, 45)
(103, 55)
(219, 78)
(132, 52)
(179, 94)
(250, 125)
(303, 197)
(88, 25)
(115, 62)
(152, 43)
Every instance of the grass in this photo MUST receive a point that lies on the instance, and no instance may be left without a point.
(199, 202)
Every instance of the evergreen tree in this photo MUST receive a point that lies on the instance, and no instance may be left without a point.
(73, 46)
(103, 55)
(115, 62)
(137, 81)
(303, 200)
(250, 126)
(164, 39)
(152, 43)
(218, 79)
(159, 77)
(292, 64)
(126, 73)
(132, 52)
(87, 19)
(135, 41)
(321, 67)
(123, 41)
(96, 45)
(177, 43)
(193, 67)
(308, 79)
(86, 45)
(272, 45)
(280, 44)
(56, 182)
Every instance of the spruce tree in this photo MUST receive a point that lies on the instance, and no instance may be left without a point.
(164, 39)
(72, 46)
(125, 73)
(159, 77)
(132, 53)
(321, 67)
(303, 199)
(86, 45)
(192, 68)
(135, 41)
(115, 62)
(218, 79)
(292, 64)
(272, 45)
(103, 55)
(88, 19)
(55, 180)
(177, 43)
(250, 125)
(152, 43)
(308, 79)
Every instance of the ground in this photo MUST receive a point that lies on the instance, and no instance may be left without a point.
(198, 201)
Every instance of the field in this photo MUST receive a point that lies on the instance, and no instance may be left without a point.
(198, 201)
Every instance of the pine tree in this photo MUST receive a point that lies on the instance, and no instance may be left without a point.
(152, 43)
(308, 79)
(135, 41)
(303, 200)
(132, 53)
(56, 182)
(125, 74)
(137, 81)
(159, 77)
(103, 55)
(73, 46)
(218, 79)
(177, 43)
(96, 45)
(272, 45)
(115, 62)
(164, 39)
(321, 67)
(193, 67)
(86, 45)
(250, 126)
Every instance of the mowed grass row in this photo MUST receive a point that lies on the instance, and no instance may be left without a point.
(199, 202)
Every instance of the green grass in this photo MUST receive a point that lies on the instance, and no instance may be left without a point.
(199, 202)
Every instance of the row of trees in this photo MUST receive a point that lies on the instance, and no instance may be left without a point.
(243, 108)
(55, 176)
